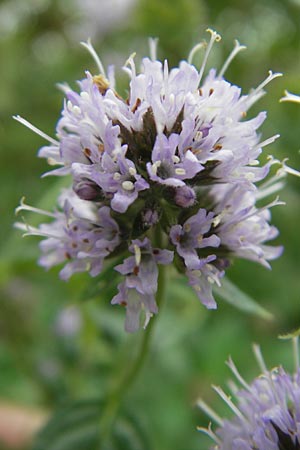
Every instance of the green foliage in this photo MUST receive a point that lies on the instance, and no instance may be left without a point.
(237, 298)
(77, 425)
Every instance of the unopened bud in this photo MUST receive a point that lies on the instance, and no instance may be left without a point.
(185, 196)
(88, 190)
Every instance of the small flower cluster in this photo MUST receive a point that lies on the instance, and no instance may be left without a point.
(177, 159)
(266, 412)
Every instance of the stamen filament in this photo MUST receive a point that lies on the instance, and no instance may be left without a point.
(209, 432)
(237, 49)
(259, 88)
(215, 37)
(153, 48)
(237, 375)
(194, 50)
(289, 97)
(24, 207)
(210, 412)
(229, 402)
(93, 53)
(259, 358)
(35, 129)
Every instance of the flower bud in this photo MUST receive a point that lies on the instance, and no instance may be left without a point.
(185, 196)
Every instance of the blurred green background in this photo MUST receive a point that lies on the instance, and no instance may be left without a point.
(59, 342)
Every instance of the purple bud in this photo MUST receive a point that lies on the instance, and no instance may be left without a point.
(185, 196)
(88, 190)
(150, 217)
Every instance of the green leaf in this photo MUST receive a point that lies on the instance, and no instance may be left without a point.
(77, 426)
(233, 295)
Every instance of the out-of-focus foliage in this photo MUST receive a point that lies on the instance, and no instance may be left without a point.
(38, 364)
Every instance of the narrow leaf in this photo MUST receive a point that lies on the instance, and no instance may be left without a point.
(234, 296)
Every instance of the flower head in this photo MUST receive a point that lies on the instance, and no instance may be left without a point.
(177, 158)
(266, 411)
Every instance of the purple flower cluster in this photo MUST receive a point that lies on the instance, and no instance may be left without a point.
(266, 412)
(176, 158)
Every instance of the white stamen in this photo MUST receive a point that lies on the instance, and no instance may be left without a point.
(210, 412)
(237, 49)
(137, 254)
(84, 95)
(284, 169)
(215, 37)
(229, 402)
(148, 316)
(64, 87)
(288, 169)
(268, 141)
(33, 231)
(237, 375)
(275, 202)
(198, 135)
(93, 53)
(35, 130)
(271, 189)
(153, 48)
(117, 176)
(254, 212)
(130, 62)
(132, 171)
(194, 50)
(155, 166)
(76, 110)
(128, 185)
(289, 97)
(259, 88)
(24, 207)
(175, 159)
(218, 219)
(180, 171)
(53, 162)
(259, 358)
(209, 432)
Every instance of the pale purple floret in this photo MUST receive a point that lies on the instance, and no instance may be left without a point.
(169, 165)
(217, 108)
(267, 411)
(242, 227)
(191, 236)
(138, 290)
(203, 279)
(80, 236)
(84, 129)
(164, 91)
(116, 176)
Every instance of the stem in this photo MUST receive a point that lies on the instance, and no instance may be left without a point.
(129, 375)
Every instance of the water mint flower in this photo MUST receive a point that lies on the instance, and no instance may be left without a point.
(80, 236)
(170, 170)
(266, 412)
(168, 167)
(138, 290)
(192, 236)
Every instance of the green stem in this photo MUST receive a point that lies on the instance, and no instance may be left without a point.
(129, 376)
